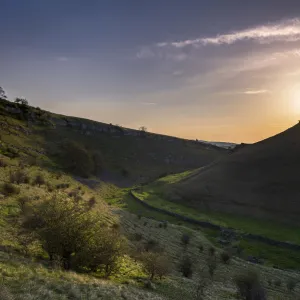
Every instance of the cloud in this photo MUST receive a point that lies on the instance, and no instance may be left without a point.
(177, 73)
(149, 103)
(255, 92)
(286, 31)
(62, 58)
(144, 53)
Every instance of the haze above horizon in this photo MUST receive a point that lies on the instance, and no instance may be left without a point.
(205, 70)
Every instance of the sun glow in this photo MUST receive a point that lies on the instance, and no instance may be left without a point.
(295, 100)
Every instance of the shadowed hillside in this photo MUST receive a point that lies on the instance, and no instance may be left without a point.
(260, 180)
(113, 153)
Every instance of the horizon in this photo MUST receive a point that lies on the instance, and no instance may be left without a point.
(201, 70)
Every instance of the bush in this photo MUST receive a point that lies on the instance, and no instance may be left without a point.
(201, 248)
(291, 284)
(3, 163)
(97, 162)
(39, 180)
(63, 225)
(18, 177)
(153, 246)
(211, 251)
(155, 265)
(50, 188)
(76, 159)
(277, 282)
(9, 189)
(22, 201)
(102, 252)
(185, 267)
(138, 236)
(75, 195)
(249, 286)
(62, 186)
(212, 265)
(92, 202)
(225, 257)
(185, 239)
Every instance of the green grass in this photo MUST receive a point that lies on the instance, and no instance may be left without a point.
(155, 195)
(284, 258)
(273, 256)
(24, 279)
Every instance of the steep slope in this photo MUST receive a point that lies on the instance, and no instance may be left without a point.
(127, 156)
(260, 180)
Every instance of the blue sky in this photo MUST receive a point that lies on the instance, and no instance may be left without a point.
(216, 70)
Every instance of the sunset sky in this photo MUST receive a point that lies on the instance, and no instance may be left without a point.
(212, 69)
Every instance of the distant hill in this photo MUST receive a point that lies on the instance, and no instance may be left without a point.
(260, 180)
(127, 156)
(225, 145)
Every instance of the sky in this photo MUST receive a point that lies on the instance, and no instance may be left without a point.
(200, 69)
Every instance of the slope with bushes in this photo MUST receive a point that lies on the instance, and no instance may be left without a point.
(88, 148)
(63, 236)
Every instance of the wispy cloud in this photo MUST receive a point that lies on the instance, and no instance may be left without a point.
(288, 30)
(149, 103)
(62, 58)
(177, 73)
(255, 92)
(145, 52)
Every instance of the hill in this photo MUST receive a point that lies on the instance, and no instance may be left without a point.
(125, 156)
(259, 180)
(225, 145)
(46, 205)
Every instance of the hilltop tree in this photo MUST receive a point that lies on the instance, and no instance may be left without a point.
(143, 129)
(2, 94)
(21, 101)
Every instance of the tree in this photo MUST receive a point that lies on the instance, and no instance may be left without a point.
(186, 267)
(143, 129)
(249, 286)
(21, 101)
(291, 284)
(155, 264)
(63, 225)
(2, 94)
(102, 251)
(212, 265)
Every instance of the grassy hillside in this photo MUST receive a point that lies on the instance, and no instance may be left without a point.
(259, 180)
(35, 177)
(156, 194)
(124, 156)
(27, 273)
